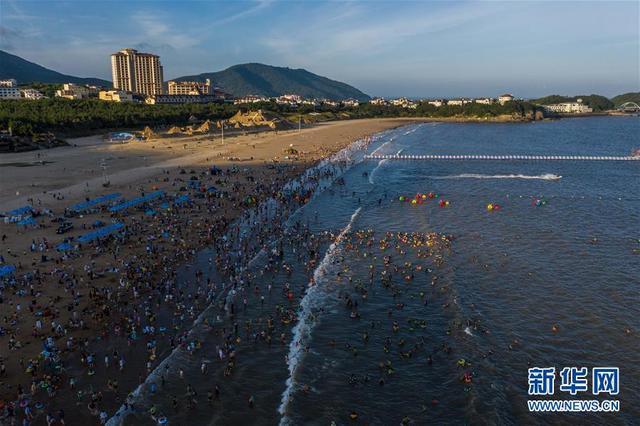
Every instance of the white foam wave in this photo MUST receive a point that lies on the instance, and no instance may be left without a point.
(546, 176)
(312, 299)
(382, 146)
(408, 132)
(380, 163)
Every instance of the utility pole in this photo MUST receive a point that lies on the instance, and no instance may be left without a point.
(222, 132)
(299, 123)
(103, 165)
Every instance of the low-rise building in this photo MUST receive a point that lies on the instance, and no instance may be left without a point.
(181, 99)
(483, 101)
(330, 102)
(31, 94)
(378, 101)
(458, 102)
(250, 99)
(115, 96)
(437, 102)
(9, 93)
(569, 108)
(503, 99)
(190, 87)
(77, 91)
(9, 82)
(404, 103)
(289, 99)
(351, 103)
(9, 89)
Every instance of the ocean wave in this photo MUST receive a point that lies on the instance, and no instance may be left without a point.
(311, 300)
(546, 176)
(380, 163)
(408, 132)
(382, 146)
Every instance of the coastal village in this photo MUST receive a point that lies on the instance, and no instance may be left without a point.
(138, 77)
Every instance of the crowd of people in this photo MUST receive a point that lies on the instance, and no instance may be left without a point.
(87, 325)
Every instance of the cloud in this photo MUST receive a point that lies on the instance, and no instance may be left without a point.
(29, 24)
(153, 27)
(259, 5)
(149, 47)
(352, 31)
(8, 36)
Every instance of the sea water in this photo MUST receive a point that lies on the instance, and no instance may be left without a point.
(548, 285)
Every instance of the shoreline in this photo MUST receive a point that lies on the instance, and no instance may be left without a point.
(101, 134)
(190, 247)
(287, 213)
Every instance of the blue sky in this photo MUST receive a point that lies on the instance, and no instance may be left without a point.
(385, 48)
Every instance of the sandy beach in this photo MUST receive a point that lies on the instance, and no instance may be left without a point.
(76, 172)
(66, 299)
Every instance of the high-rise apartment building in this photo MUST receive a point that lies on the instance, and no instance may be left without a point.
(138, 72)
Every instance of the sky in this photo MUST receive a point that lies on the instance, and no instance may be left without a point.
(384, 48)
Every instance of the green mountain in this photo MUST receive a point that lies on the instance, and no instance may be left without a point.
(597, 102)
(12, 66)
(626, 97)
(267, 80)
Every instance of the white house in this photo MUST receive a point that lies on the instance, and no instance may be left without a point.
(404, 103)
(329, 102)
(31, 94)
(289, 99)
(483, 101)
(181, 99)
(378, 101)
(76, 91)
(503, 99)
(350, 102)
(569, 107)
(250, 99)
(9, 82)
(115, 96)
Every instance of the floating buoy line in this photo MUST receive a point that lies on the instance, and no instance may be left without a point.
(501, 157)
